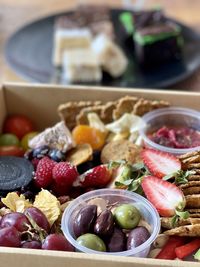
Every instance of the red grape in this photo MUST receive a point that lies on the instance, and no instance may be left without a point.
(16, 219)
(9, 237)
(57, 242)
(31, 244)
(38, 216)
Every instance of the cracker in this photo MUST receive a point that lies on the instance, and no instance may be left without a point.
(195, 215)
(142, 106)
(160, 104)
(121, 150)
(80, 154)
(190, 184)
(70, 110)
(193, 166)
(125, 105)
(107, 111)
(189, 154)
(192, 159)
(82, 118)
(193, 201)
(186, 230)
(191, 190)
(166, 222)
(192, 187)
(193, 211)
(194, 177)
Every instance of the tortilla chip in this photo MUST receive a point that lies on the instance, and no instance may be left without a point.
(186, 230)
(80, 154)
(193, 201)
(121, 150)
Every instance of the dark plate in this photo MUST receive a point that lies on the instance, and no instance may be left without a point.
(29, 53)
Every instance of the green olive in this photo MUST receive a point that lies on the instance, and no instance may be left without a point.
(127, 216)
(91, 241)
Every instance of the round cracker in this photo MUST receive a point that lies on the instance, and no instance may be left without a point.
(121, 150)
(80, 154)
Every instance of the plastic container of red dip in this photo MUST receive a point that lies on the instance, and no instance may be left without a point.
(174, 130)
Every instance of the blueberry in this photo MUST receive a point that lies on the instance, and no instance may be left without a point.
(40, 152)
(29, 154)
(56, 155)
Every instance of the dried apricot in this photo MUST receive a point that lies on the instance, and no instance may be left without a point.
(85, 134)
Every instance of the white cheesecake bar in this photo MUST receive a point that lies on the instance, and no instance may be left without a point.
(81, 65)
(110, 55)
(69, 39)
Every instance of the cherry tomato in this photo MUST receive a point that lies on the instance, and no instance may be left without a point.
(18, 125)
(11, 151)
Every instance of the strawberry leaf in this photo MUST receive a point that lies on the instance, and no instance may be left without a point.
(179, 214)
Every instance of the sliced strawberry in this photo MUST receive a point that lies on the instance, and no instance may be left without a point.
(97, 177)
(160, 163)
(165, 196)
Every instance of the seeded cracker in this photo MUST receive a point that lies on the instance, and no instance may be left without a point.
(121, 150)
(82, 118)
(69, 111)
(187, 230)
(143, 106)
(192, 159)
(107, 111)
(189, 154)
(125, 105)
(166, 222)
(193, 201)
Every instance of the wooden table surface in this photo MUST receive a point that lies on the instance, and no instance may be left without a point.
(15, 13)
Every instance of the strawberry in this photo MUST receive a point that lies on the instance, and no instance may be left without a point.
(165, 196)
(64, 174)
(97, 177)
(160, 163)
(43, 174)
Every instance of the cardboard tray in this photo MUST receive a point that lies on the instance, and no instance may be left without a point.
(40, 103)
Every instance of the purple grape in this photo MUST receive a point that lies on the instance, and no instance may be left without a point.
(15, 219)
(57, 242)
(9, 237)
(31, 244)
(38, 217)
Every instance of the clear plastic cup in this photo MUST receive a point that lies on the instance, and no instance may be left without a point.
(171, 117)
(148, 212)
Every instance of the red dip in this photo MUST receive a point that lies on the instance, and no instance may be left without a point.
(176, 137)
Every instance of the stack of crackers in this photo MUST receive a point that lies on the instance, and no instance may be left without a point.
(191, 190)
(74, 113)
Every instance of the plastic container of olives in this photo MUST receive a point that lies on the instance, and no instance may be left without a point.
(114, 198)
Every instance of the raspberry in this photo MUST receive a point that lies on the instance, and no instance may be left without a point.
(64, 174)
(97, 177)
(43, 175)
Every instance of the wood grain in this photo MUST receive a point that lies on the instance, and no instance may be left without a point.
(14, 14)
